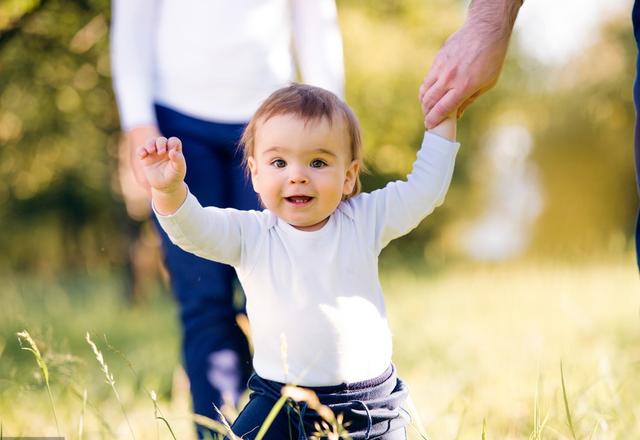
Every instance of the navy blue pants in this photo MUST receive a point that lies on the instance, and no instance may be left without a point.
(215, 351)
(636, 98)
(372, 410)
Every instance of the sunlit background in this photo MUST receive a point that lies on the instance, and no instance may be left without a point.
(528, 263)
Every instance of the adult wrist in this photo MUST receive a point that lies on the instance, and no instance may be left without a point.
(494, 19)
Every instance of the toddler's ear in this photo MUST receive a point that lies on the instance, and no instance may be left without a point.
(251, 162)
(351, 177)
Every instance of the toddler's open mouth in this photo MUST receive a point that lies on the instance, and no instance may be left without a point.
(299, 200)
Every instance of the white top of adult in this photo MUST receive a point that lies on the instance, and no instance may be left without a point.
(218, 59)
(314, 299)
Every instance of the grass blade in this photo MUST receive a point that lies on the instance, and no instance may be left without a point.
(33, 348)
(214, 425)
(110, 379)
(84, 408)
(158, 413)
(414, 418)
(566, 403)
(271, 417)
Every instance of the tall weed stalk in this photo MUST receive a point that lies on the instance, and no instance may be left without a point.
(110, 379)
(25, 337)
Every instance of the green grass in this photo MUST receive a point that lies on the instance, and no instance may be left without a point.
(481, 348)
(487, 342)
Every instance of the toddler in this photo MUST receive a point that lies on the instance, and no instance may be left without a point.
(308, 262)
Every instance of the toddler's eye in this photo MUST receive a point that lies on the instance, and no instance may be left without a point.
(279, 163)
(317, 163)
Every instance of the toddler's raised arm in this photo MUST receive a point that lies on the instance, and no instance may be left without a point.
(212, 233)
(165, 168)
(399, 207)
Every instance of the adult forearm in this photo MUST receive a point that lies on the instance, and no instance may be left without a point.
(493, 18)
(470, 61)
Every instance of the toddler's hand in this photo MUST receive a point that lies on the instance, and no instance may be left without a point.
(163, 164)
(446, 128)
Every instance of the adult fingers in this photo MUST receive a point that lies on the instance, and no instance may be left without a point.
(432, 76)
(433, 95)
(444, 107)
(467, 103)
(140, 176)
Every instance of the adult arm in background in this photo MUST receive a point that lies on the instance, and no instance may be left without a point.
(318, 44)
(470, 61)
(132, 60)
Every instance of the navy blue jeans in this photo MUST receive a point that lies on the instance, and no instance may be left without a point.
(215, 351)
(372, 409)
(636, 99)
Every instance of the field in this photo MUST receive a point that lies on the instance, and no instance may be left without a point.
(484, 350)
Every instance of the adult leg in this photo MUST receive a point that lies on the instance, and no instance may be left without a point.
(215, 351)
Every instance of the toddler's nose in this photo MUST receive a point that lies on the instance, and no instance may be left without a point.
(297, 175)
(298, 179)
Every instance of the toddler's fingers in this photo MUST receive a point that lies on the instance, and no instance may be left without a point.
(150, 146)
(443, 108)
(161, 145)
(175, 156)
(177, 159)
(174, 144)
(141, 152)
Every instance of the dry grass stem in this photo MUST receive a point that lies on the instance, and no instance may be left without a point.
(109, 378)
(566, 403)
(214, 425)
(84, 408)
(33, 348)
(331, 426)
(158, 414)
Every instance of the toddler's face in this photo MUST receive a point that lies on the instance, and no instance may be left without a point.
(302, 169)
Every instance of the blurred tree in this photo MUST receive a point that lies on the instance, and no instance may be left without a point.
(59, 130)
(584, 146)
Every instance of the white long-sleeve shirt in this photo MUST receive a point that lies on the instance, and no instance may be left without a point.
(314, 299)
(218, 59)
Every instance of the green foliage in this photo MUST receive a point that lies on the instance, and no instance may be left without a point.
(59, 131)
(584, 148)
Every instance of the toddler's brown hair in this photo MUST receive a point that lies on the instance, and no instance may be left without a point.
(308, 103)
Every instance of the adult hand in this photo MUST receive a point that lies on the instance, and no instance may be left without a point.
(466, 66)
(135, 138)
